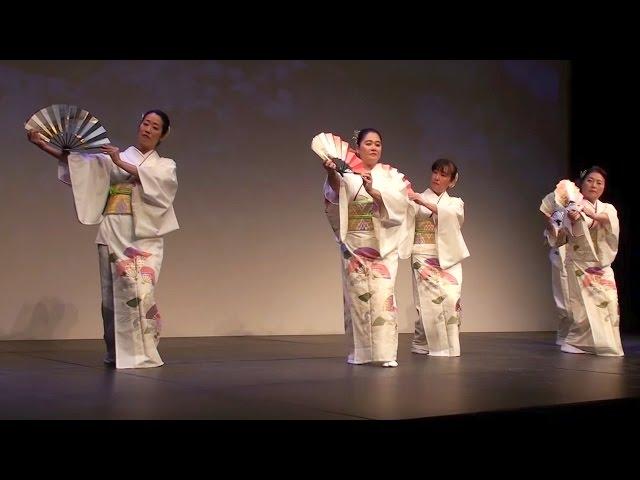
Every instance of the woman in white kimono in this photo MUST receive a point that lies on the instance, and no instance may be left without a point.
(556, 239)
(437, 248)
(130, 195)
(366, 212)
(592, 231)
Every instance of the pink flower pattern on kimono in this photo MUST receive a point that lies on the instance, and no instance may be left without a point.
(356, 266)
(148, 275)
(359, 264)
(389, 304)
(367, 252)
(601, 290)
(594, 277)
(431, 271)
(133, 252)
(367, 261)
(134, 264)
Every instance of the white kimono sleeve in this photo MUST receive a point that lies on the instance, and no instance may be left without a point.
(451, 246)
(394, 198)
(153, 200)
(89, 177)
(608, 242)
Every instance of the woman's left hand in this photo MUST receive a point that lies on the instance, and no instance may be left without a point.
(367, 182)
(588, 210)
(112, 151)
(574, 215)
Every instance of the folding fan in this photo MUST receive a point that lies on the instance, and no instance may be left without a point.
(68, 127)
(331, 147)
(568, 195)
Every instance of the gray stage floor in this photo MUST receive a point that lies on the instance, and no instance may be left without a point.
(306, 377)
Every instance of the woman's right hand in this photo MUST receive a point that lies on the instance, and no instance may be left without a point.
(329, 166)
(34, 137)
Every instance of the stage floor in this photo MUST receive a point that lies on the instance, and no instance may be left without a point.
(306, 377)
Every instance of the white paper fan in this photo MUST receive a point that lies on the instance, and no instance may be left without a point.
(567, 193)
(331, 147)
(328, 146)
(68, 127)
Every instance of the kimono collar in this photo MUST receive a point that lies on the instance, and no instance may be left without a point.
(597, 206)
(133, 151)
(444, 195)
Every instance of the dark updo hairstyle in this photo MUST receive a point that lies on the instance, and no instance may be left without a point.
(445, 165)
(595, 168)
(363, 133)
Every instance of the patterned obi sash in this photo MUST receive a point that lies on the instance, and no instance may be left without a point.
(425, 231)
(360, 216)
(119, 201)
